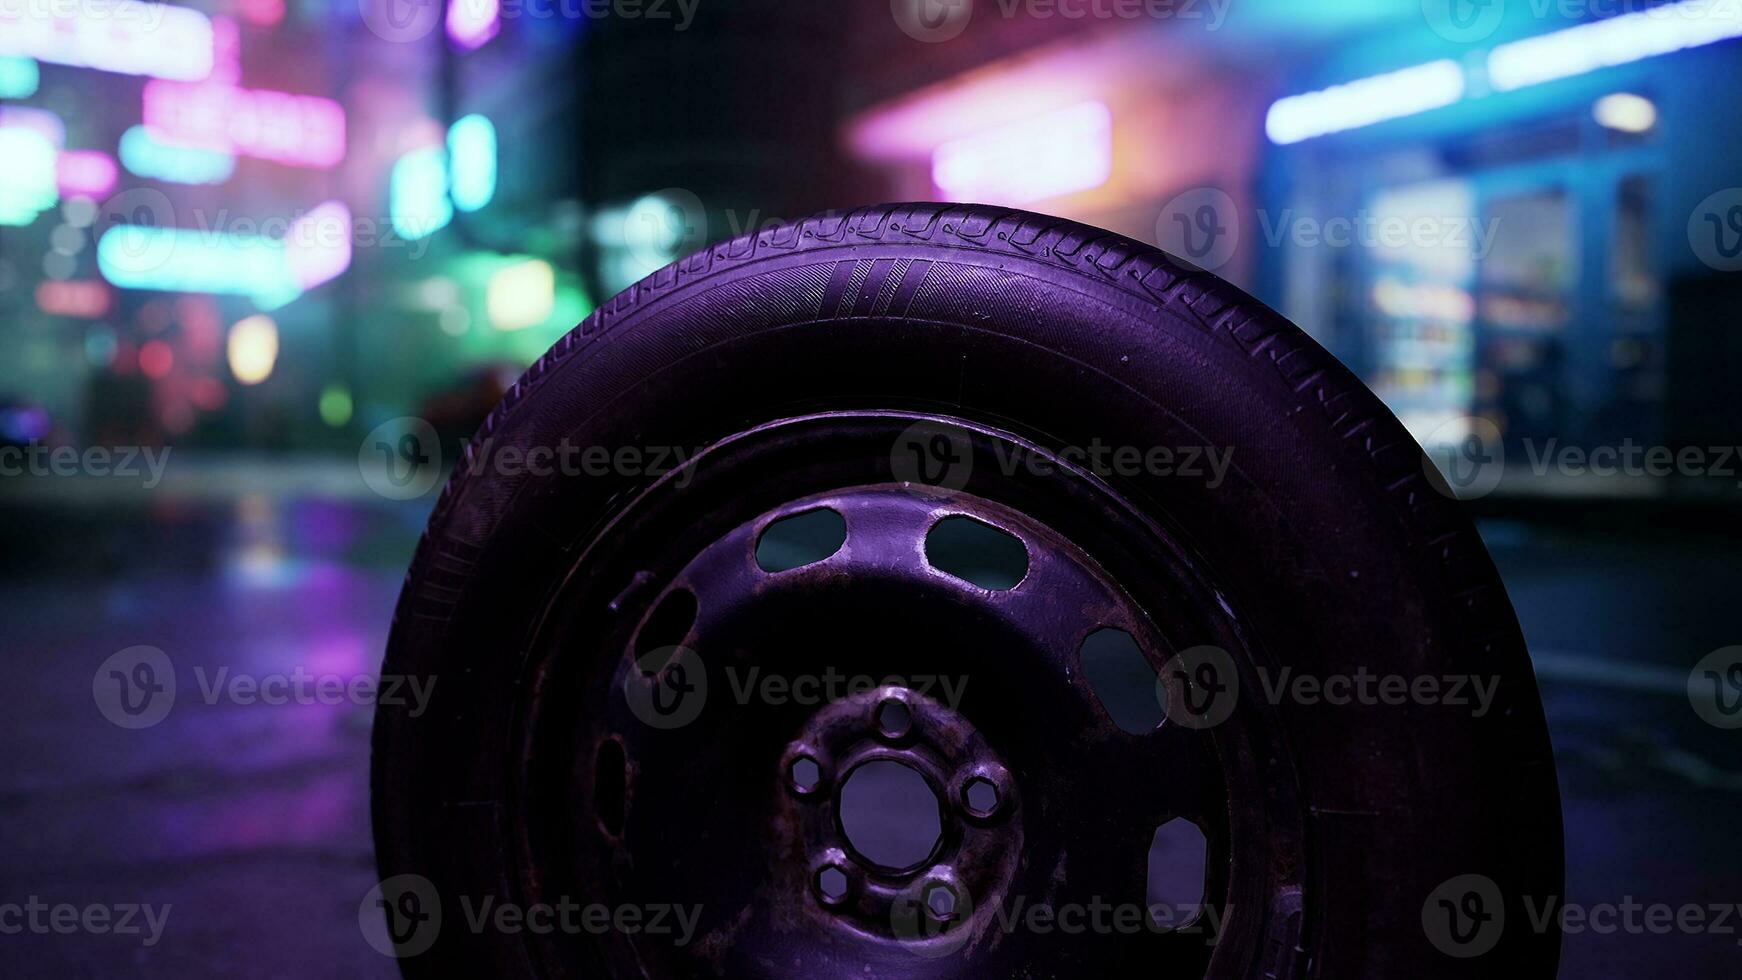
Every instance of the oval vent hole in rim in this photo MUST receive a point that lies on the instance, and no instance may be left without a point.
(977, 552)
(668, 624)
(1178, 858)
(1123, 680)
(800, 540)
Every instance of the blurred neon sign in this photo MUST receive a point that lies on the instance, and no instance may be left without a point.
(148, 156)
(472, 23)
(186, 261)
(131, 38)
(417, 194)
(42, 121)
(472, 162)
(521, 295)
(1614, 41)
(299, 130)
(83, 298)
(27, 175)
(1365, 101)
(89, 172)
(1048, 155)
(318, 245)
(272, 271)
(18, 77)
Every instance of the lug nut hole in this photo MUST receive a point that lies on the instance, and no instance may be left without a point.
(894, 718)
(981, 797)
(832, 884)
(805, 775)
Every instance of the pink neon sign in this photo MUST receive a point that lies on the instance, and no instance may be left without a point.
(130, 38)
(471, 23)
(318, 245)
(300, 130)
(88, 172)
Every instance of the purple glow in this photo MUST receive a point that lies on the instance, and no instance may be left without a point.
(318, 247)
(153, 39)
(39, 121)
(299, 130)
(89, 172)
(1031, 159)
(472, 23)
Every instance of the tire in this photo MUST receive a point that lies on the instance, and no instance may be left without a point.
(1327, 539)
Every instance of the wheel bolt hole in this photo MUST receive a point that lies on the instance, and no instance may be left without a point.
(894, 718)
(806, 775)
(832, 885)
(981, 796)
(940, 902)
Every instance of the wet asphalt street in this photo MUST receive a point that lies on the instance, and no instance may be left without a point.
(250, 821)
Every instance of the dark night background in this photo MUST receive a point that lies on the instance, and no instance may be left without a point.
(1566, 270)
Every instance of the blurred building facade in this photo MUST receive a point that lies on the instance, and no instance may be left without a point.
(1521, 212)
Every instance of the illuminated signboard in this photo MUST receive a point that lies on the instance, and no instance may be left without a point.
(271, 271)
(131, 38)
(1365, 101)
(27, 175)
(472, 23)
(148, 156)
(300, 130)
(417, 194)
(86, 299)
(318, 245)
(18, 77)
(50, 126)
(472, 162)
(88, 172)
(1614, 41)
(1048, 155)
(185, 261)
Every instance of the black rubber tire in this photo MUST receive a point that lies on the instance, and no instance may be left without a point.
(1343, 553)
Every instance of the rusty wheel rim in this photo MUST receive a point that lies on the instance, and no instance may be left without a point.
(623, 803)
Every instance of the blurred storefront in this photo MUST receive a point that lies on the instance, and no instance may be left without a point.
(1497, 213)
(272, 224)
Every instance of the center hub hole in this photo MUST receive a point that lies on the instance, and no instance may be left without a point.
(890, 814)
